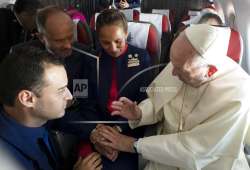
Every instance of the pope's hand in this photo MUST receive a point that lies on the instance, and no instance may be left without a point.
(126, 108)
(117, 140)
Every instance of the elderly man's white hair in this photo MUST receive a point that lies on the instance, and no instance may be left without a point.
(208, 41)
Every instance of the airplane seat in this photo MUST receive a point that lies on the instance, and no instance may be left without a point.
(232, 43)
(235, 47)
(66, 147)
(129, 13)
(175, 17)
(144, 35)
(93, 20)
(160, 21)
(191, 11)
(170, 14)
(191, 14)
(187, 17)
(82, 32)
(247, 146)
(162, 24)
(92, 28)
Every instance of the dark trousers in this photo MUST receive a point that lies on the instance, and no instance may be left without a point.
(125, 161)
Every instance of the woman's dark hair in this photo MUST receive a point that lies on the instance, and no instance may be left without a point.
(111, 17)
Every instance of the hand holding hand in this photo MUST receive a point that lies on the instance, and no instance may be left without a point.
(96, 138)
(106, 151)
(116, 140)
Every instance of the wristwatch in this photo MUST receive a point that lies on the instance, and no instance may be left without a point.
(135, 145)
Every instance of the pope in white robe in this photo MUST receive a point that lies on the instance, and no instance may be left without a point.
(199, 126)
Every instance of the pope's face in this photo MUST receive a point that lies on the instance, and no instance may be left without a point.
(187, 65)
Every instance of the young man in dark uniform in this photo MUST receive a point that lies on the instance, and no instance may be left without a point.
(55, 33)
(34, 90)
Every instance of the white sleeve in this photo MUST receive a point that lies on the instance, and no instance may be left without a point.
(148, 115)
(221, 134)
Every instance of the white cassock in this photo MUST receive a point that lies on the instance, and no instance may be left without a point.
(214, 120)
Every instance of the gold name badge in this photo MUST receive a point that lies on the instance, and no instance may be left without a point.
(133, 61)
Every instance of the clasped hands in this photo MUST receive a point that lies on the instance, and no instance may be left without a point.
(97, 139)
(108, 140)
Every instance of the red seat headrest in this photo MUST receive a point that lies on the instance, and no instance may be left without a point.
(235, 46)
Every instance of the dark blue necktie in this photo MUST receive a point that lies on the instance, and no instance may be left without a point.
(45, 147)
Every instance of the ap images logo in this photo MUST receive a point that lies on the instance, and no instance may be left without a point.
(80, 88)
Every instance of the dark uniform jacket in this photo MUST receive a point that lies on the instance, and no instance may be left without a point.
(31, 148)
(134, 61)
(82, 75)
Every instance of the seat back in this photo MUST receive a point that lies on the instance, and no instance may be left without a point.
(82, 32)
(170, 14)
(235, 46)
(163, 27)
(93, 21)
(93, 30)
(144, 35)
(193, 13)
(129, 13)
(191, 17)
(66, 147)
(160, 21)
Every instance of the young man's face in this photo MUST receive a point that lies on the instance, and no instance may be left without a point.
(53, 98)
